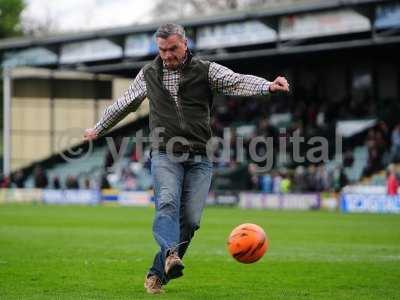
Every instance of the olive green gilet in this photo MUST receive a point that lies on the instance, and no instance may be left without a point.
(189, 117)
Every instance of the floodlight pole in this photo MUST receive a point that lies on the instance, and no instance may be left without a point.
(6, 121)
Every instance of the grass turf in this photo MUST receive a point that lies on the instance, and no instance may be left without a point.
(74, 252)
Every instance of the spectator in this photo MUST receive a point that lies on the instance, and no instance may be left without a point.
(392, 182)
(381, 142)
(71, 183)
(252, 177)
(18, 179)
(285, 184)
(86, 184)
(348, 158)
(5, 182)
(384, 130)
(266, 183)
(129, 180)
(266, 130)
(322, 179)
(339, 179)
(56, 183)
(374, 163)
(395, 151)
(311, 178)
(40, 178)
(104, 182)
(276, 179)
(300, 180)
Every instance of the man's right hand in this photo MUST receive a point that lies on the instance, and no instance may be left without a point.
(90, 134)
(280, 84)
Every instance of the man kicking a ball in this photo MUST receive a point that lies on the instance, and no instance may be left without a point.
(179, 88)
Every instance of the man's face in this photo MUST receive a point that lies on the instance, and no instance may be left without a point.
(172, 50)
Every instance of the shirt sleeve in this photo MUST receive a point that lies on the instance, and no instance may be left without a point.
(128, 102)
(224, 81)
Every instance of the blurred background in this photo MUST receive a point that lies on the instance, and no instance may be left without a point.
(63, 62)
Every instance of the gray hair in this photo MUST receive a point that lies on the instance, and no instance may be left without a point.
(166, 30)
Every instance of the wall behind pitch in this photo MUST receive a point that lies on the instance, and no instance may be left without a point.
(48, 105)
(30, 129)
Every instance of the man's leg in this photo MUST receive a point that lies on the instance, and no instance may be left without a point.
(168, 178)
(196, 186)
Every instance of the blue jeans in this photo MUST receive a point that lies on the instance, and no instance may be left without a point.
(180, 190)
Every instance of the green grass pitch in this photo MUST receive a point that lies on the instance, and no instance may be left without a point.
(75, 252)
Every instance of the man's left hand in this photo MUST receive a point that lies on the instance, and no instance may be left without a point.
(280, 84)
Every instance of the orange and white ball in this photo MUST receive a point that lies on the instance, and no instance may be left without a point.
(247, 243)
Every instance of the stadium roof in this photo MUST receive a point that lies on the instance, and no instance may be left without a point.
(23, 42)
(283, 30)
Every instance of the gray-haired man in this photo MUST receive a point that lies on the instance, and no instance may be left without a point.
(180, 90)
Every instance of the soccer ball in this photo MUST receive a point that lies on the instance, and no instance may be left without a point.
(247, 243)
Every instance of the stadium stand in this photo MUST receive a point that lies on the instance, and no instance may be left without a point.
(347, 71)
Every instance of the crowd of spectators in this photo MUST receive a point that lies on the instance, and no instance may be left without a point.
(245, 119)
(314, 178)
(307, 119)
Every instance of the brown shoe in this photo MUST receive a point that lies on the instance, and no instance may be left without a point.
(153, 284)
(173, 266)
